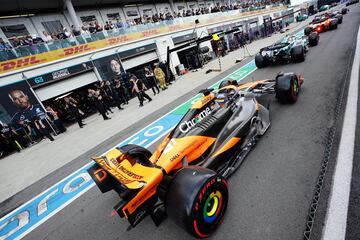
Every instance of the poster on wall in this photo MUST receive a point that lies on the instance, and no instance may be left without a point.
(19, 105)
(109, 67)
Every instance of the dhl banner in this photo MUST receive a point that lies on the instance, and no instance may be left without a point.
(33, 60)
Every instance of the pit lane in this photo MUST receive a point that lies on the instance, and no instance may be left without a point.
(271, 193)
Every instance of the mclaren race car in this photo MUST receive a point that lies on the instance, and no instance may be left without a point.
(290, 48)
(185, 177)
(321, 23)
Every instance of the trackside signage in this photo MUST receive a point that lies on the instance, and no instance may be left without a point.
(31, 214)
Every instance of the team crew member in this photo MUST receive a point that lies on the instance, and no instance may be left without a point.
(42, 128)
(112, 93)
(71, 105)
(139, 89)
(119, 88)
(53, 115)
(160, 76)
(151, 80)
(164, 68)
(97, 100)
(9, 137)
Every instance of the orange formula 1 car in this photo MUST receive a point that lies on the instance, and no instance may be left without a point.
(185, 177)
(322, 23)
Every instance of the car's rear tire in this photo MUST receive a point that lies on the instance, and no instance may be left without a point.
(339, 19)
(313, 39)
(196, 200)
(260, 61)
(308, 30)
(298, 54)
(333, 24)
(287, 88)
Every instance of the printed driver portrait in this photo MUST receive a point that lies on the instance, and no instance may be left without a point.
(26, 110)
(115, 66)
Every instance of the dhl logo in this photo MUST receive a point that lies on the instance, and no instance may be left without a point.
(174, 28)
(77, 49)
(27, 61)
(117, 40)
(150, 33)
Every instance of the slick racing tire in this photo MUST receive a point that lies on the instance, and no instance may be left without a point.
(287, 88)
(196, 200)
(339, 20)
(308, 30)
(313, 39)
(260, 61)
(333, 24)
(298, 54)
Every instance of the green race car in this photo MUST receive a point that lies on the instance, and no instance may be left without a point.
(301, 17)
(290, 48)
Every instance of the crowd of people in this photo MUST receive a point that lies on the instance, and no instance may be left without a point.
(108, 94)
(95, 27)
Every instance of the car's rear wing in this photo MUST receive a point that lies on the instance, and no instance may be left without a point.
(134, 181)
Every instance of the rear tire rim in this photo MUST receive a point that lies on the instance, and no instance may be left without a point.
(294, 89)
(210, 210)
(212, 207)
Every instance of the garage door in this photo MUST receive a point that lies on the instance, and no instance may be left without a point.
(64, 86)
(139, 60)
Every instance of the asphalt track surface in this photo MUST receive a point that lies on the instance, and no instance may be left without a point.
(269, 195)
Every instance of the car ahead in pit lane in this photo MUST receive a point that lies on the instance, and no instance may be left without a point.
(301, 17)
(185, 177)
(290, 48)
(351, 2)
(344, 10)
(321, 23)
(324, 8)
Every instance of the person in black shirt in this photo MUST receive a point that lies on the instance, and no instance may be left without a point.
(10, 139)
(139, 89)
(119, 88)
(97, 100)
(164, 68)
(105, 98)
(112, 93)
(42, 128)
(151, 80)
(71, 106)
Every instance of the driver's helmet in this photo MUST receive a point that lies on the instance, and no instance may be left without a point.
(290, 39)
(221, 99)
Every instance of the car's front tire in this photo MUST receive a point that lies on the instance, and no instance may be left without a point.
(260, 61)
(298, 54)
(196, 200)
(287, 88)
(308, 30)
(313, 39)
(333, 24)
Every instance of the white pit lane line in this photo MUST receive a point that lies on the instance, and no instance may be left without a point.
(336, 216)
